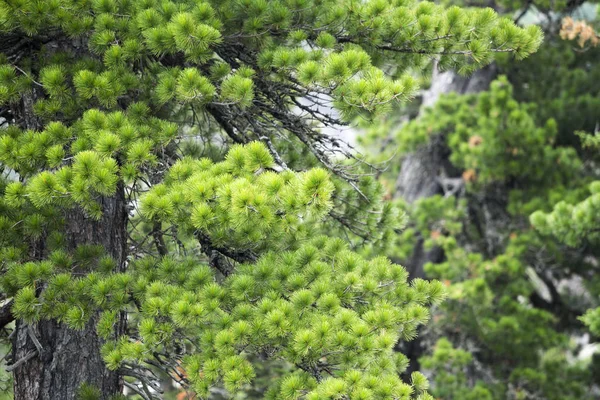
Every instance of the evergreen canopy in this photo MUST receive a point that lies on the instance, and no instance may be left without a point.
(127, 233)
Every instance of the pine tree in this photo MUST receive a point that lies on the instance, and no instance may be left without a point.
(166, 184)
(511, 231)
(574, 222)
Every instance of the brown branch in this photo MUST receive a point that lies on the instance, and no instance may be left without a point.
(524, 11)
(408, 50)
(27, 357)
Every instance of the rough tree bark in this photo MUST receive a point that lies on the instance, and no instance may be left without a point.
(64, 359)
(51, 361)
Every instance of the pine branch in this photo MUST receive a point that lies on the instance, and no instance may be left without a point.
(215, 253)
(220, 115)
(27, 357)
(524, 11)
(159, 241)
(408, 50)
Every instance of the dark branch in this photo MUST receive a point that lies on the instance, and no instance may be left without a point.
(222, 119)
(159, 241)
(217, 254)
(6, 315)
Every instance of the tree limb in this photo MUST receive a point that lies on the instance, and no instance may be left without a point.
(216, 253)
(6, 315)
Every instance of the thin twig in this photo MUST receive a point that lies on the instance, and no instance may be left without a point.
(27, 357)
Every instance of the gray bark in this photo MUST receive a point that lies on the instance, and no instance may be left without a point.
(420, 170)
(64, 358)
(449, 81)
(418, 173)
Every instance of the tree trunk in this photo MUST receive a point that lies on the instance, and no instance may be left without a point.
(450, 81)
(67, 358)
(422, 174)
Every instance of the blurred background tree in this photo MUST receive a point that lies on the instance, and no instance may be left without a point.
(473, 163)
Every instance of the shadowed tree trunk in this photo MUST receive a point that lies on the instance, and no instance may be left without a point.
(49, 360)
(423, 174)
(64, 359)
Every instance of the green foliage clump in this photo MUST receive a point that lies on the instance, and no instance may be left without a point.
(110, 147)
(321, 308)
(330, 313)
(567, 92)
(451, 371)
(592, 319)
(572, 223)
(119, 35)
(494, 137)
(576, 225)
(240, 202)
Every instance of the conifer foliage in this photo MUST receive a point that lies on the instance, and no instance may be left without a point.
(512, 231)
(132, 241)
